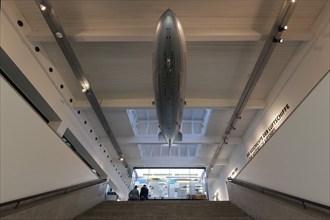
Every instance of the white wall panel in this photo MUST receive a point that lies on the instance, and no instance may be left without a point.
(296, 159)
(33, 158)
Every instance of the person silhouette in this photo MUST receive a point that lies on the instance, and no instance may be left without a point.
(134, 194)
(144, 193)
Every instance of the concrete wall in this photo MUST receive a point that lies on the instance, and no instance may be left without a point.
(260, 206)
(308, 66)
(62, 207)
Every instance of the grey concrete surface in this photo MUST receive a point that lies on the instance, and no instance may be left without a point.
(264, 207)
(63, 207)
(164, 210)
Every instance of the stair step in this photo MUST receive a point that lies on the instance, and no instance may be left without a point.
(164, 210)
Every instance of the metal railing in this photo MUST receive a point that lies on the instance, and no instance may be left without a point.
(52, 193)
(265, 190)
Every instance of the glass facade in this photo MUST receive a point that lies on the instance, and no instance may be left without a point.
(171, 183)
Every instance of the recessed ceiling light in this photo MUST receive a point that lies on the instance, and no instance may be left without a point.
(59, 35)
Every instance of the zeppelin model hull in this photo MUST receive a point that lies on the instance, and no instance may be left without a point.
(169, 76)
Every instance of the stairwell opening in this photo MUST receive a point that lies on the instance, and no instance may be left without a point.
(172, 183)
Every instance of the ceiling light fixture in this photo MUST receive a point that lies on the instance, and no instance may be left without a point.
(279, 40)
(42, 6)
(85, 86)
(121, 157)
(59, 35)
(282, 28)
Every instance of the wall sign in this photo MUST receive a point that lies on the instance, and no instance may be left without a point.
(267, 134)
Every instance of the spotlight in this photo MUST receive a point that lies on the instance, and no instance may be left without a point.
(280, 40)
(42, 6)
(284, 28)
(121, 157)
(85, 87)
(293, 1)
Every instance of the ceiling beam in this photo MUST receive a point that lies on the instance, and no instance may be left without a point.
(222, 103)
(191, 103)
(186, 139)
(64, 44)
(168, 161)
(104, 36)
(273, 39)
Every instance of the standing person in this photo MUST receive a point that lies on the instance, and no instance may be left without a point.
(144, 193)
(134, 194)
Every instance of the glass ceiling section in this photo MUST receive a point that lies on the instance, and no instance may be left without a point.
(144, 123)
(163, 150)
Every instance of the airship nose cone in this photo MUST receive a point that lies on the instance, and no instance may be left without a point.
(168, 12)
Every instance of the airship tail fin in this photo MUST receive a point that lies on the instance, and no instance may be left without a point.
(179, 137)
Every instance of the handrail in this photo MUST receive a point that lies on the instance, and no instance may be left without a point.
(264, 190)
(60, 191)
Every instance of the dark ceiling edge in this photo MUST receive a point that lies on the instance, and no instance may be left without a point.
(24, 87)
(155, 167)
(54, 25)
(79, 149)
(272, 40)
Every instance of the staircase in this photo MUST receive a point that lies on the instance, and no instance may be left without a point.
(164, 210)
